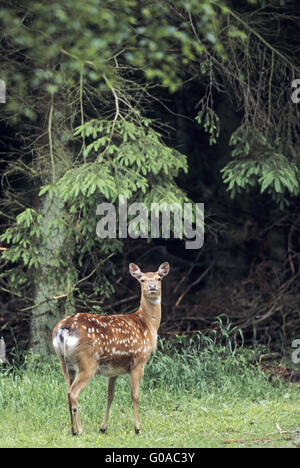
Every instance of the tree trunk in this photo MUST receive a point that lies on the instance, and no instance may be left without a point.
(53, 278)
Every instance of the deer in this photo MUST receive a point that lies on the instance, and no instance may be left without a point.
(110, 345)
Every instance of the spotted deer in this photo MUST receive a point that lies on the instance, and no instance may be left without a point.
(110, 345)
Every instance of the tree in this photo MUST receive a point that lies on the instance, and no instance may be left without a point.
(261, 65)
(83, 66)
(80, 78)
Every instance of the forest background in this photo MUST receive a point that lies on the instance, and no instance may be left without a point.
(161, 102)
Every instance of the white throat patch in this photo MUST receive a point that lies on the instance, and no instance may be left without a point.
(154, 300)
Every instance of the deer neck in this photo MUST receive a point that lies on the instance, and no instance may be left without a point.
(151, 310)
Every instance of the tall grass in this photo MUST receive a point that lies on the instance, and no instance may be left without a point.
(197, 365)
(198, 382)
(209, 365)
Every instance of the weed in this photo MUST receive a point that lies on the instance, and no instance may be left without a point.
(199, 391)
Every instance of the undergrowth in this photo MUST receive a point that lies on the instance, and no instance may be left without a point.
(196, 391)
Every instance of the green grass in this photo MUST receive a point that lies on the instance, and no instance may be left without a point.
(196, 395)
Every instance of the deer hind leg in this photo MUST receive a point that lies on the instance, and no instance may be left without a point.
(111, 383)
(135, 379)
(82, 378)
(69, 375)
(70, 379)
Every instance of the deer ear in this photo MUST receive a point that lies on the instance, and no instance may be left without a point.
(135, 271)
(163, 269)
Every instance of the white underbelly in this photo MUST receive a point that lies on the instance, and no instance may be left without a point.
(110, 371)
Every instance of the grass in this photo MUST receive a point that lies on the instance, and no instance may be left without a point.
(195, 394)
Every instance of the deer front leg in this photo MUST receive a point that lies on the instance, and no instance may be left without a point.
(135, 378)
(111, 383)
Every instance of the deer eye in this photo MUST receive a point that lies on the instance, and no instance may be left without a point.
(158, 279)
(142, 280)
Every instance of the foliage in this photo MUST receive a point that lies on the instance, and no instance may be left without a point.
(257, 75)
(25, 238)
(272, 172)
(82, 38)
(126, 159)
(210, 123)
(81, 58)
(125, 155)
(81, 82)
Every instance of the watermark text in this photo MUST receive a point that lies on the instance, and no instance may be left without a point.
(136, 220)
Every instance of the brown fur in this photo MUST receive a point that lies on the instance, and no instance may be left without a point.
(110, 345)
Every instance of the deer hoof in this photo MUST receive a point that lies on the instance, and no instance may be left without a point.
(103, 430)
(137, 431)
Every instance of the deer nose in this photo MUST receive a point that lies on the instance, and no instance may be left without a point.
(152, 286)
